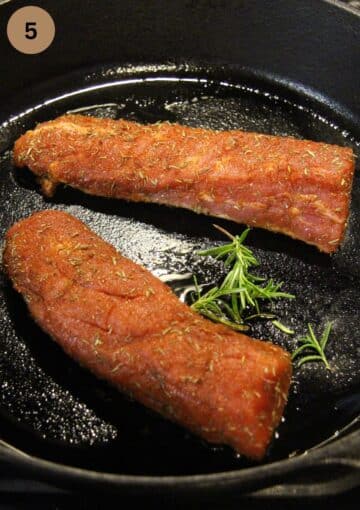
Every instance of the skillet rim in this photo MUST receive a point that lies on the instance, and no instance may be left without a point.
(255, 477)
(346, 445)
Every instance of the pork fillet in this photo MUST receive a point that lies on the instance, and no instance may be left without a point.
(127, 327)
(297, 187)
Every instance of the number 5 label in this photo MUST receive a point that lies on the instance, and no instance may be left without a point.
(30, 30)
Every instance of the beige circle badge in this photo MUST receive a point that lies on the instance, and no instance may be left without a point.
(31, 30)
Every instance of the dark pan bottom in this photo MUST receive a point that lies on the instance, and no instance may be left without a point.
(52, 408)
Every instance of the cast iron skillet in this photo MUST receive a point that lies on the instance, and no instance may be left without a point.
(58, 423)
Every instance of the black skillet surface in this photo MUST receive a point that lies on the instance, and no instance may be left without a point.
(300, 50)
(54, 410)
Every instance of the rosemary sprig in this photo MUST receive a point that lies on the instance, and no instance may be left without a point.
(212, 306)
(311, 343)
(237, 299)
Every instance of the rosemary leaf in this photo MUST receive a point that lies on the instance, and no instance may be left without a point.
(313, 349)
(282, 327)
(237, 299)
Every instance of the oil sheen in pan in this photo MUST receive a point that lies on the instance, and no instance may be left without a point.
(49, 406)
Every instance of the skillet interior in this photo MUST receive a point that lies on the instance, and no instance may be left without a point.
(52, 408)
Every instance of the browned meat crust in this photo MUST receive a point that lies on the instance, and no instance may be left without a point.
(127, 327)
(297, 187)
